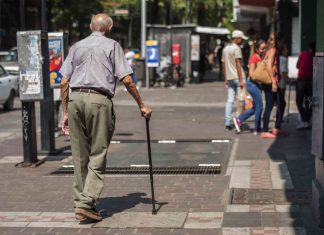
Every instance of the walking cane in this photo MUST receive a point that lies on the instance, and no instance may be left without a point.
(154, 211)
(288, 101)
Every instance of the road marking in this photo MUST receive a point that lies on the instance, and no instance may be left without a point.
(214, 165)
(68, 166)
(220, 141)
(115, 142)
(167, 141)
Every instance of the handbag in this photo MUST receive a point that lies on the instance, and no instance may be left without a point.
(261, 74)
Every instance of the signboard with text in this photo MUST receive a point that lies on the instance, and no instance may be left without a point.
(152, 53)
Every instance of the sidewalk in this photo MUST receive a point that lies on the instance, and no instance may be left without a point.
(264, 186)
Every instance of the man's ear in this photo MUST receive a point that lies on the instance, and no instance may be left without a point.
(90, 27)
(110, 28)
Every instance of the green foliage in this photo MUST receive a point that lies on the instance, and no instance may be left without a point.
(74, 15)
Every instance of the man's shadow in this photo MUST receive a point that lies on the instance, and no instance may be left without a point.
(113, 205)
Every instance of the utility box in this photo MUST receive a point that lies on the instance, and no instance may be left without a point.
(30, 60)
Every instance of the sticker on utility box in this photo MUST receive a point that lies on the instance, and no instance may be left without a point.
(30, 82)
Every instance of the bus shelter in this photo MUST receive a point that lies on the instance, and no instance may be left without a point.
(195, 44)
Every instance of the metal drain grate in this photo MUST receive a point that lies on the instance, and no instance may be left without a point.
(196, 170)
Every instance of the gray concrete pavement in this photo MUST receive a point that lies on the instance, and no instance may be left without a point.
(235, 202)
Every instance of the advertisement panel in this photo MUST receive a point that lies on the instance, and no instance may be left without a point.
(56, 56)
(195, 47)
(152, 53)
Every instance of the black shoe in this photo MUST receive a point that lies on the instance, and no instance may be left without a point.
(228, 128)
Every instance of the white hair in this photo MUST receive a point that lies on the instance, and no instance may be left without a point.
(101, 24)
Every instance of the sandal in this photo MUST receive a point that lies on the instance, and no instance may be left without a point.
(268, 135)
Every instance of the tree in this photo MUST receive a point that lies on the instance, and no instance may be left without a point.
(74, 15)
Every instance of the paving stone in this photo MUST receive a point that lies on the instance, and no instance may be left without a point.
(292, 231)
(275, 219)
(59, 225)
(288, 208)
(204, 220)
(236, 231)
(237, 208)
(240, 177)
(264, 231)
(13, 224)
(144, 220)
(237, 219)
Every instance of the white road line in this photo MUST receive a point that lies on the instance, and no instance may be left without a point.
(139, 165)
(68, 166)
(209, 164)
(167, 141)
(115, 142)
(220, 141)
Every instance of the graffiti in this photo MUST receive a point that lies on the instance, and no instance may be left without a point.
(25, 123)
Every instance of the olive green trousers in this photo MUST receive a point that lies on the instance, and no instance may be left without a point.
(91, 120)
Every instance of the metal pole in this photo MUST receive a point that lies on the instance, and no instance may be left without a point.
(171, 41)
(28, 114)
(143, 41)
(154, 211)
(143, 27)
(22, 15)
(46, 106)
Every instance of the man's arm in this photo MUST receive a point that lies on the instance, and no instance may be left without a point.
(65, 100)
(131, 88)
(224, 74)
(239, 71)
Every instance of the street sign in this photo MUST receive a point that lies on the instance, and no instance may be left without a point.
(152, 53)
(122, 12)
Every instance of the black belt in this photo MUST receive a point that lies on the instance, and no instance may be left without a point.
(90, 90)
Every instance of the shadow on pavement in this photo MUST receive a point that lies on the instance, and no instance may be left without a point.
(295, 151)
(113, 205)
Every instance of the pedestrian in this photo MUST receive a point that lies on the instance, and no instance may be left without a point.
(254, 89)
(304, 86)
(90, 71)
(233, 73)
(272, 92)
(130, 57)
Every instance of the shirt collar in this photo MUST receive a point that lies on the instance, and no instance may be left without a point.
(96, 34)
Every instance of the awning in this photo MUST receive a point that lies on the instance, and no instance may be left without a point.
(212, 30)
(258, 3)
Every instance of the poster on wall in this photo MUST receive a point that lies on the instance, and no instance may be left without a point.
(195, 47)
(56, 56)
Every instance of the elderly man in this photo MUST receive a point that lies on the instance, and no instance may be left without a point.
(90, 70)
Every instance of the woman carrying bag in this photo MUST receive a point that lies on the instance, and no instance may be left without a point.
(254, 89)
(271, 92)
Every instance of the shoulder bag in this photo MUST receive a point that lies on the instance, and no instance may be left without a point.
(261, 74)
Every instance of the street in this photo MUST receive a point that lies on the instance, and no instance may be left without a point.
(264, 185)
